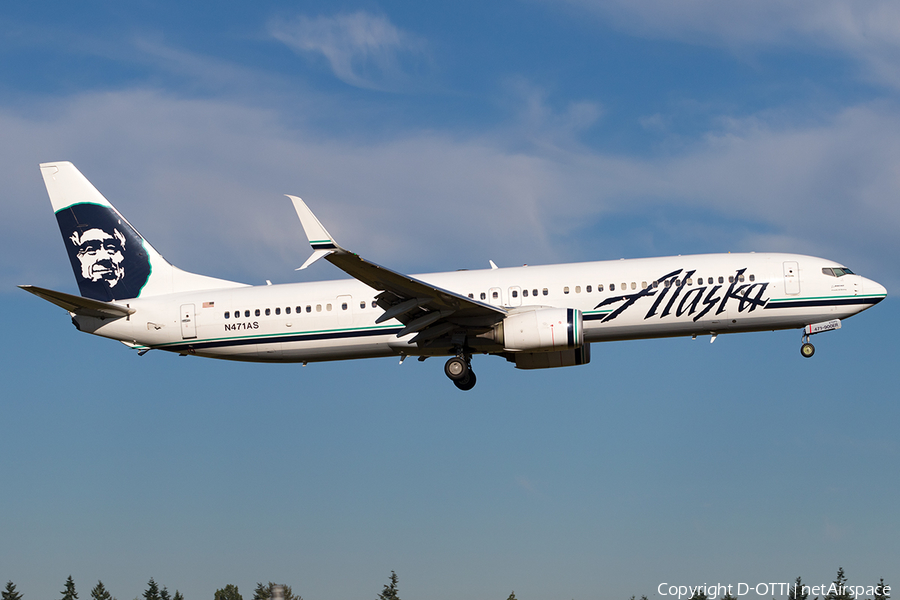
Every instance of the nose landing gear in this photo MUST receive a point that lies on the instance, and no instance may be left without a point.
(807, 350)
(459, 370)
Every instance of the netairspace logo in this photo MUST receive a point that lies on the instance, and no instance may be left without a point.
(718, 590)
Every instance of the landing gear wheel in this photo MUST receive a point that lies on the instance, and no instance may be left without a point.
(466, 384)
(807, 350)
(457, 369)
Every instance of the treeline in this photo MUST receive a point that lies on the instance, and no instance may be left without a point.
(263, 591)
(839, 589)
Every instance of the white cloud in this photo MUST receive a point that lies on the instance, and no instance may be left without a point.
(203, 181)
(363, 50)
(868, 31)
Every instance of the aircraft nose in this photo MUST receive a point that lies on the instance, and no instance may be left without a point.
(873, 288)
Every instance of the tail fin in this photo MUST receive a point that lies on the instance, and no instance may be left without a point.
(110, 259)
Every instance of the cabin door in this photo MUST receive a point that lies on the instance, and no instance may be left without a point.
(188, 326)
(791, 278)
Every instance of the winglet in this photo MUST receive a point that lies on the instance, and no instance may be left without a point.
(318, 237)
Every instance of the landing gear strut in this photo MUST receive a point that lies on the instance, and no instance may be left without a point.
(807, 350)
(459, 370)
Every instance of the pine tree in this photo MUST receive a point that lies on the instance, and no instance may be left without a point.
(699, 595)
(178, 596)
(10, 592)
(99, 592)
(390, 591)
(512, 595)
(164, 594)
(728, 596)
(840, 587)
(264, 592)
(879, 591)
(796, 592)
(69, 592)
(229, 592)
(152, 592)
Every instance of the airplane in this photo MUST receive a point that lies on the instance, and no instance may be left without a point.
(537, 317)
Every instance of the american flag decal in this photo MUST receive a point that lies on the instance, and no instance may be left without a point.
(208, 304)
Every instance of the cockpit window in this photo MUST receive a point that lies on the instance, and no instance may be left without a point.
(836, 271)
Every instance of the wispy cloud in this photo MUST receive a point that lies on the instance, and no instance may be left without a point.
(362, 49)
(868, 31)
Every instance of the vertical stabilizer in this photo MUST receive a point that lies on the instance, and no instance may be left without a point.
(110, 259)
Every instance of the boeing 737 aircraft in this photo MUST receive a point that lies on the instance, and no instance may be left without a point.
(536, 317)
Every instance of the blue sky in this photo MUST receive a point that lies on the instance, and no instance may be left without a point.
(436, 138)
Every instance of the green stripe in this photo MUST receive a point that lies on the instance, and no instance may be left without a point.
(828, 297)
(271, 335)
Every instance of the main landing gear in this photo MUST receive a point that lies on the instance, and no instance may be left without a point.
(459, 370)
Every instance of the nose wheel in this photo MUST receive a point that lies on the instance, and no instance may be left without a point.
(807, 350)
(459, 370)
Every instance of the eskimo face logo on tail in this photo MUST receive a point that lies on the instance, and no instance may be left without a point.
(107, 255)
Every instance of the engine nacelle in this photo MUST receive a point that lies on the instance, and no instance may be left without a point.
(551, 360)
(541, 329)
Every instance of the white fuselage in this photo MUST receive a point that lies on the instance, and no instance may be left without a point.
(623, 299)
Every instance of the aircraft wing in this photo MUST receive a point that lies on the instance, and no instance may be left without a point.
(80, 305)
(429, 311)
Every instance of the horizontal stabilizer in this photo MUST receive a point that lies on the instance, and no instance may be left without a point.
(80, 305)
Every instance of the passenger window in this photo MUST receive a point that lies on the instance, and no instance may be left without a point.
(709, 281)
(721, 279)
(600, 287)
(525, 293)
(362, 304)
(668, 283)
(472, 296)
(256, 312)
(753, 278)
(655, 284)
(566, 290)
(344, 306)
(277, 311)
(545, 291)
(246, 313)
(268, 312)
(227, 314)
(287, 310)
(308, 308)
(515, 294)
(643, 285)
(677, 283)
(534, 292)
(483, 296)
(612, 287)
(633, 285)
(624, 287)
(588, 289)
(373, 304)
(577, 289)
(318, 308)
(740, 278)
(689, 281)
(328, 307)
(495, 295)
(731, 279)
